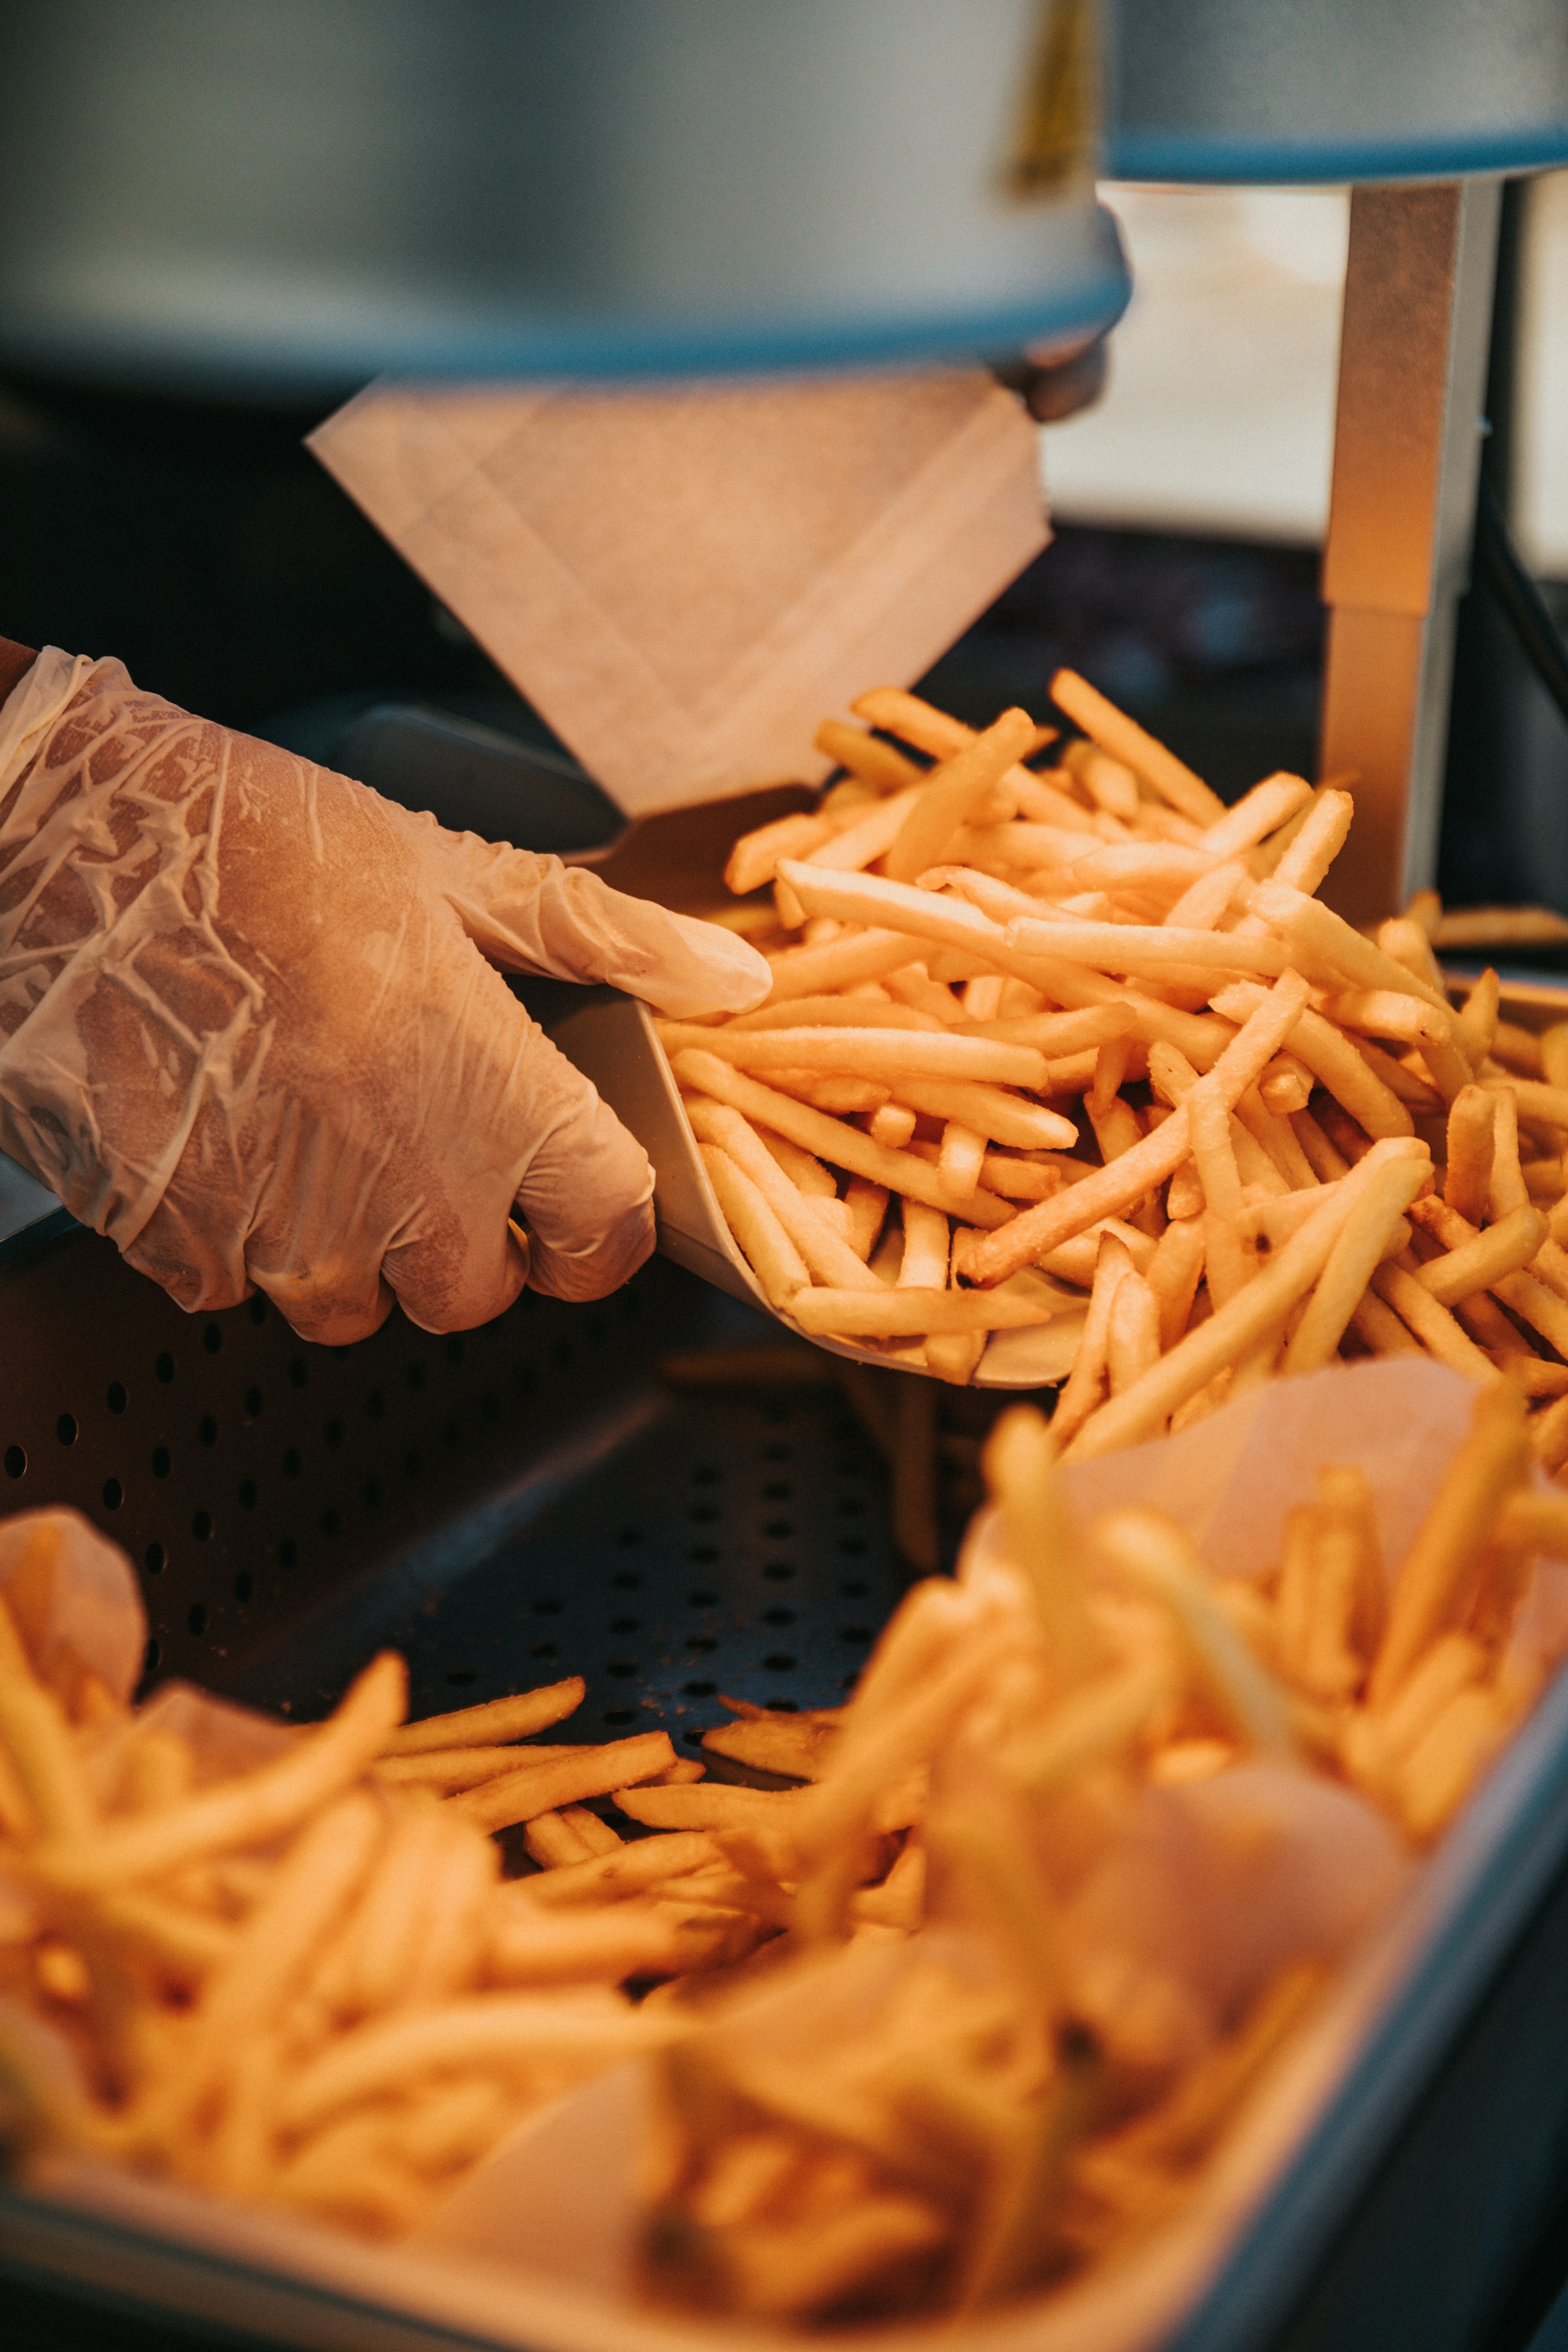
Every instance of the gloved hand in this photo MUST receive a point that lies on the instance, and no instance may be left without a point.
(248, 1029)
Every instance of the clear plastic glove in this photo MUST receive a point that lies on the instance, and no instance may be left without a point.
(250, 1027)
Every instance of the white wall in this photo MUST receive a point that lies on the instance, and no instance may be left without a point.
(1219, 416)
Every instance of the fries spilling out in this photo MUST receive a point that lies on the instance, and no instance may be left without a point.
(283, 1964)
(1079, 1041)
(1151, 1810)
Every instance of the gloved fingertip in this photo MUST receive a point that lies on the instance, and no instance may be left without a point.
(602, 1265)
(727, 974)
(316, 1311)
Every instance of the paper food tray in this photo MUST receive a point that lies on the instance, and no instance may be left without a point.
(1372, 2194)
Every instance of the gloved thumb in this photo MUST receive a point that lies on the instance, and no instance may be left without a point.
(530, 913)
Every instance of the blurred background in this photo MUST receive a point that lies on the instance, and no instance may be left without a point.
(204, 545)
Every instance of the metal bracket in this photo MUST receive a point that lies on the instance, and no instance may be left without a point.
(1413, 361)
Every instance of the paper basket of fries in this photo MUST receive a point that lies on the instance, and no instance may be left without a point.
(1067, 1071)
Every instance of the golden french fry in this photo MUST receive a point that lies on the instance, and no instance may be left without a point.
(35, 1739)
(1483, 1259)
(1465, 1183)
(610, 1877)
(493, 1722)
(755, 856)
(954, 1356)
(891, 1125)
(1086, 1381)
(1127, 1180)
(1256, 815)
(1363, 1241)
(1019, 1467)
(553, 1838)
(893, 1054)
(1432, 1324)
(713, 1805)
(1173, 1274)
(961, 1163)
(956, 789)
(1547, 1106)
(999, 1117)
(444, 1770)
(772, 1256)
(544, 1789)
(248, 1810)
(1490, 1462)
(875, 830)
(1152, 1552)
(866, 756)
(866, 1203)
(827, 1257)
(1254, 1311)
(1506, 1187)
(1440, 1771)
(486, 2031)
(1487, 927)
(1134, 1343)
(1333, 1062)
(840, 1146)
(927, 1246)
(1125, 740)
(909, 1313)
(840, 964)
(878, 1012)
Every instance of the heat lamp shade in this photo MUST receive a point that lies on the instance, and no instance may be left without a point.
(271, 196)
(1297, 90)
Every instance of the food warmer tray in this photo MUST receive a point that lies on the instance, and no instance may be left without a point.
(560, 1490)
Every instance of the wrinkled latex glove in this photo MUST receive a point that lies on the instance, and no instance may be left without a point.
(251, 1029)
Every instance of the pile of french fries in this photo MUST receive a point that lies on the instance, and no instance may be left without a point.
(1139, 1813)
(307, 1982)
(1040, 1043)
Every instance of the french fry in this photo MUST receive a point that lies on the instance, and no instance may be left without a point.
(1361, 1244)
(35, 1739)
(1127, 1180)
(913, 1313)
(546, 1788)
(755, 856)
(866, 756)
(990, 1112)
(840, 964)
(898, 1053)
(1133, 1341)
(1254, 1311)
(772, 1256)
(1471, 1120)
(612, 1878)
(494, 1722)
(1485, 1259)
(502, 2030)
(248, 1811)
(841, 1146)
(956, 789)
(1490, 1461)
(444, 1770)
(1127, 741)
(825, 1256)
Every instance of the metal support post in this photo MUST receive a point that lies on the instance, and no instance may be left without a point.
(1413, 360)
